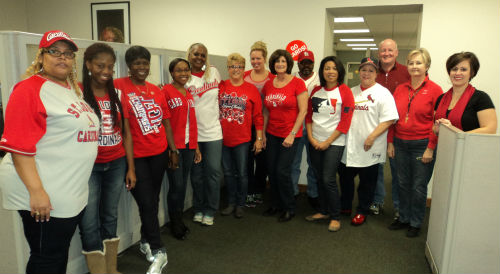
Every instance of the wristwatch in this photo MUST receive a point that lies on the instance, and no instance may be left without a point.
(176, 151)
(259, 138)
(293, 133)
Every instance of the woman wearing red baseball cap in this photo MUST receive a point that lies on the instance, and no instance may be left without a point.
(51, 135)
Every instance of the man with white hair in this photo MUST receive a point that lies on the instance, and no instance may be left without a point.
(390, 75)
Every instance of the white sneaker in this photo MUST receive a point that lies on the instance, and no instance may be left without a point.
(198, 217)
(207, 220)
(159, 262)
(146, 250)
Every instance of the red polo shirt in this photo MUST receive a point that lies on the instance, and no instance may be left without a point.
(393, 78)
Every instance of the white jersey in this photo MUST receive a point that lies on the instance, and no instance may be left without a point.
(206, 103)
(311, 82)
(49, 122)
(372, 107)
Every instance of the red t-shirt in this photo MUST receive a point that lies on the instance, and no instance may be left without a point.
(181, 107)
(239, 107)
(420, 119)
(396, 76)
(283, 107)
(147, 108)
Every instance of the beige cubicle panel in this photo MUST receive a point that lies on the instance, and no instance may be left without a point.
(17, 51)
(464, 222)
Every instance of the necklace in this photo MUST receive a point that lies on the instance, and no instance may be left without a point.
(146, 92)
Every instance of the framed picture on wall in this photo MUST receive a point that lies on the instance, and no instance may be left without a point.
(111, 21)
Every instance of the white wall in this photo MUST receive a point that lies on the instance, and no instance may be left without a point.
(13, 15)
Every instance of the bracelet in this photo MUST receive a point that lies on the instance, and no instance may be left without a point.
(259, 138)
(293, 133)
(176, 152)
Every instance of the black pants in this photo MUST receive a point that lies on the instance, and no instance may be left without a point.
(49, 242)
(366, 188)
(279, 162)
(177, 180)
(325, 164)
(257, 169)
(149, 172)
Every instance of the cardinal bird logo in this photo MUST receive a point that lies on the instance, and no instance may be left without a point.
(370, 98)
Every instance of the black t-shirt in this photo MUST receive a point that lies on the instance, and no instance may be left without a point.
(479, 100)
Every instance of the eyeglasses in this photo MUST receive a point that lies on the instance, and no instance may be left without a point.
(56, 53)
(236, 67)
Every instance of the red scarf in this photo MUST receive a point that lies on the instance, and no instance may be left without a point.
(456, 113)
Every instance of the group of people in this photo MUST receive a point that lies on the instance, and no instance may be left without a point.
(74, 146)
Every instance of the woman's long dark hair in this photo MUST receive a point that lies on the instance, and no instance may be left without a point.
(88, 94)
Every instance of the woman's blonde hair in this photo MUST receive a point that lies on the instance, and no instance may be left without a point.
(422, 52)
(37, 66)
(235, 57)
(260, 46)
(206, 76)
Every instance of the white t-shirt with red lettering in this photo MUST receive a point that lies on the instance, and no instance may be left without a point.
(283, 106)
(183, 117)
(60, 130)
(240, 107)
(146, 107)
(373, 106)
(206, 95)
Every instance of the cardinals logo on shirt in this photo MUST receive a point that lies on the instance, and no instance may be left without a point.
(275, 100)
(232, 107)
(149, 114)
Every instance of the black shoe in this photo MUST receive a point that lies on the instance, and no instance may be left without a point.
(412, 232)
(286, 216)
(397, 225)
(270, 211)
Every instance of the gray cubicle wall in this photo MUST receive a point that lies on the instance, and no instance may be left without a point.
(17, 51)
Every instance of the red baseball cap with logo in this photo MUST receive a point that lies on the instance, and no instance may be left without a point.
(307, 54)
(50, 37)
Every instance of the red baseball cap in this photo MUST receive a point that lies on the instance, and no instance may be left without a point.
(50, 37)
(307, 54)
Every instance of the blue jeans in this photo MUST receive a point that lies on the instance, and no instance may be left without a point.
(413, 179)
(312, 184)
(206, 177)
(177, 180)
(279, 162)
(49, 242)
(326, 163)
(379, 196)
(234, 162)
(100, 216)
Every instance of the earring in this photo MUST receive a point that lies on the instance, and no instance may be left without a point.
(90, 74)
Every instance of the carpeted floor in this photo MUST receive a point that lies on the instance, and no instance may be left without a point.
(258, 244)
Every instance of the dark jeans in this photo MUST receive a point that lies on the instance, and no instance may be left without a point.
(206, 177)
(149, 172)
(49, 242)
(325, 163)
(257, 169)
(366, 188)
(413, 179)
(177, 180)
(234, 162)
(100, 217)
(279, 162)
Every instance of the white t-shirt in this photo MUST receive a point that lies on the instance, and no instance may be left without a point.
(372, 107)
(48, 121)
(311, 82)
(206, 103)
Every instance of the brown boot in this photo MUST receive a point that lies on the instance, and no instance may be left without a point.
(111, 248)
(95, 262)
